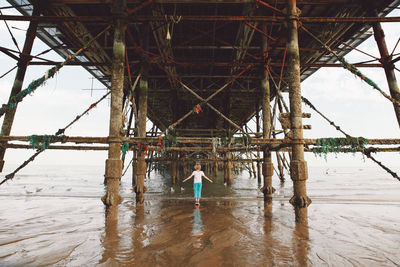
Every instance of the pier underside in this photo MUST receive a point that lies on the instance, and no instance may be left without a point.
(199, 71)
(204, 45)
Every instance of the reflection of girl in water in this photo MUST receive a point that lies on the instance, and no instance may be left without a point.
(197, 223)
(198, 174)
(197, 230)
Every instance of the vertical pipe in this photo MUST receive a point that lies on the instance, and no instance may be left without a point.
(23, 62)
(298, 166)
(134, 167)
(216, 165)
(229, 168)
(253, 165)
(388, 66)
(140, 189)
(268, 168)
(152, 133)
(280, 167)
(114, 163)
(174, 167)
(135, 153)
(258, 153)
(225, 168)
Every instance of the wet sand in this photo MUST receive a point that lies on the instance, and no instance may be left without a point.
(58, 219)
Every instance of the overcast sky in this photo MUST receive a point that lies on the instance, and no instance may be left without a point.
(344, 98)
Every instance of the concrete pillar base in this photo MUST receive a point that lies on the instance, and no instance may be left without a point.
(268, 189)
(140, 188)
(112, 196)
(112, 179)
(300, 201)
(299, 175)
(140, 194)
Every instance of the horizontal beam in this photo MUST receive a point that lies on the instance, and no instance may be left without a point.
(298, 2)
(182, 140)
(209, 63)
(59, 147)
(204, 47)
(83, 64)
(76, 2)
(202, 160)
(203, 18)
(185, 76)
(191, 149)
(287, 115)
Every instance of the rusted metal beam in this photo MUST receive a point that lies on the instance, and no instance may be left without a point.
(388, 66)
(195, 149)
(58, 147)
(8, 53)
(276, 19)
(221, 47)
(77, 2)
(23, 62)
(5, 50)
(244, 38)
(395, 60)
(299, 2)
(205, 64)
(164, 47)
(77, 34)
(252, 91)
(186, 140)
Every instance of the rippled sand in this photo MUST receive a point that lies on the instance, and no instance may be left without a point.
(58, 219)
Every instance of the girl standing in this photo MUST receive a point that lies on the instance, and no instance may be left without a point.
(198, 174)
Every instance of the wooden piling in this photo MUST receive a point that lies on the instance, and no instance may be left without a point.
(111, 236)
(134, 167)
(18, 81)
(268, 168)
(114, 163)
(298, 166)
(388, 66)
(253, 167)
(150, 165)
(174, 167)
(259, 173)
(135, 152)
(140, 189)
(216, 166)
(225, 169)
(186, 170)
(229, 168)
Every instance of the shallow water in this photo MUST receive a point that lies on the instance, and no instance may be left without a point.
(54, 216)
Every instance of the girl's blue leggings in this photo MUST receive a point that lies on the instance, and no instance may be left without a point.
(197, 190)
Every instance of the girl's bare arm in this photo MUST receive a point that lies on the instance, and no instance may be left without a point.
(208, 178)
(188, 178)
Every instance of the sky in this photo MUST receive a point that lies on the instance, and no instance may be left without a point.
(344, 98)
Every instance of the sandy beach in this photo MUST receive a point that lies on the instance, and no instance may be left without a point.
(54, 216)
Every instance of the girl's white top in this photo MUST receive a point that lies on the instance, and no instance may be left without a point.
(197, 176)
